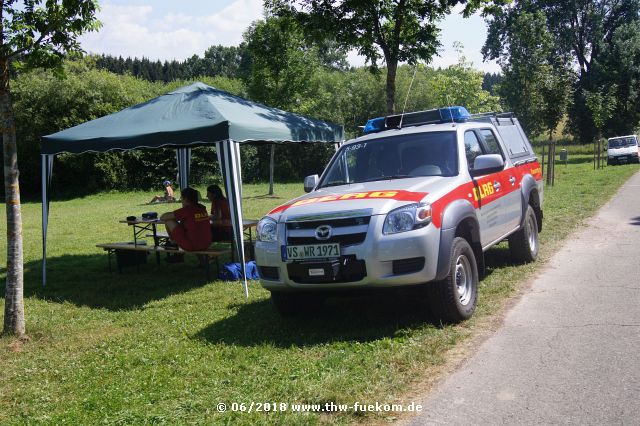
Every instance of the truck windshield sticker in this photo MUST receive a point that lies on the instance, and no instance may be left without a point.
(399, 195)
(355, 146)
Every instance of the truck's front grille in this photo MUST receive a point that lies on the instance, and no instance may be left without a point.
(346, 231)
(343, 240)
(336, 223)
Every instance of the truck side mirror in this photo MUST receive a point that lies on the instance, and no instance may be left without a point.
(485, 164)
(310, 182)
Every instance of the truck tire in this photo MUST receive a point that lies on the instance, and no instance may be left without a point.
(295, 304)
(454, 299)
(524, 243)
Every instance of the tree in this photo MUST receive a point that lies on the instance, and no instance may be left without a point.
(601, 104)
(281, 66)
(619, 65)
(394, 30)
(37, 35)
(460, 84)
(537, 79)
(587, 31)
(223, 61)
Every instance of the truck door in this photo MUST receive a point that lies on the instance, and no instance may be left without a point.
(509, 184)
(487, 202)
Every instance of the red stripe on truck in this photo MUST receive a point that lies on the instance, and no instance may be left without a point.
(394, 194)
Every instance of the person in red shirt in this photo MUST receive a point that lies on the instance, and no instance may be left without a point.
(220, 214)
(189, 226)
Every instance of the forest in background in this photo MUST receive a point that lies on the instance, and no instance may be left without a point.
(45, 103)
(558, 73)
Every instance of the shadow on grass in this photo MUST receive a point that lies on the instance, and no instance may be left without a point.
(85, 280)
(353, 317)
(367, 317)
(498, 257)
(263, 197)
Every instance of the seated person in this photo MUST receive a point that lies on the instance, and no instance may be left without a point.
(220, 212)
(188, 227)
(168, 196)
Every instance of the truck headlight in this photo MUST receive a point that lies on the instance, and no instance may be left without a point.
(406, 218)
(266, 230)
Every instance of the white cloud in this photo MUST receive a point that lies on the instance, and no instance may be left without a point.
(141, 31)
(134, 31)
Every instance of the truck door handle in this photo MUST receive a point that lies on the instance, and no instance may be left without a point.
(496, 185)
(512, 180)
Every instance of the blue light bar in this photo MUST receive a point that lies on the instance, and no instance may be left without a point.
(456, 114)
(374, 125)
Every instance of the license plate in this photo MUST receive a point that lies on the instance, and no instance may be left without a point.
(311, 251)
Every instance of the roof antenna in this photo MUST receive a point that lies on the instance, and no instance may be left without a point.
(453, 123)
(415, 69)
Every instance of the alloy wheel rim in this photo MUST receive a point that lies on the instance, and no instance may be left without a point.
(464, 279)
(533, 242)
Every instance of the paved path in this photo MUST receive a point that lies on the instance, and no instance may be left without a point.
(569, 350)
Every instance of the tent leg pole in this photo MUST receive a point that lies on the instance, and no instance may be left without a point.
(45, 216)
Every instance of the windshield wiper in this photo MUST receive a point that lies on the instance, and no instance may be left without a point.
(387, 178)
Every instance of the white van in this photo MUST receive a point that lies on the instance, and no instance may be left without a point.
(623, 149)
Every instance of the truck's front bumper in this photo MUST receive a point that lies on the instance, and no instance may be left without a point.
(403, 259)
(623, 159)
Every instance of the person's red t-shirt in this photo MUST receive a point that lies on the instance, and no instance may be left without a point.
(220, 210)
(221, 205)
(195, 222)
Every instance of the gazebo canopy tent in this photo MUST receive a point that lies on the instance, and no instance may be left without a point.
(194, 115)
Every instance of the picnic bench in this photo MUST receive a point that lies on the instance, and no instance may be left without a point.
(119, 250)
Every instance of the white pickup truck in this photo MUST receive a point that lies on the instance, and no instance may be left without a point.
(415, 201)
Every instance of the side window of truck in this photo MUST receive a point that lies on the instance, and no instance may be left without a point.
(471, 147)
(491, 143)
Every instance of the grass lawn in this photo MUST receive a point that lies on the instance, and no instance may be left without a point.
(164, 346)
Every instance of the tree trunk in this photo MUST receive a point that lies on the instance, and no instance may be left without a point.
(553, 165)
(392, 67)
(13, 302)
(550, 161)
(271, 167)
(543, 172)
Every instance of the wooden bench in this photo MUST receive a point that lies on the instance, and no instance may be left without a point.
(144, 249)
(161, 237)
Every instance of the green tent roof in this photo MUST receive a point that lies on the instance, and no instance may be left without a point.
(193, 115)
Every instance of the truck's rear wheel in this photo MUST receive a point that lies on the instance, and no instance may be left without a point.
(454, 299)
(294, 304)
(524, 243)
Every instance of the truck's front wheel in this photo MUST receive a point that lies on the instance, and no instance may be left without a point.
(454, 299)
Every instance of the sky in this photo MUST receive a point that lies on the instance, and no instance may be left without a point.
(170, 29)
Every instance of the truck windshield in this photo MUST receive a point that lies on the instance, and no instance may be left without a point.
(395, 157)
(622, 142)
